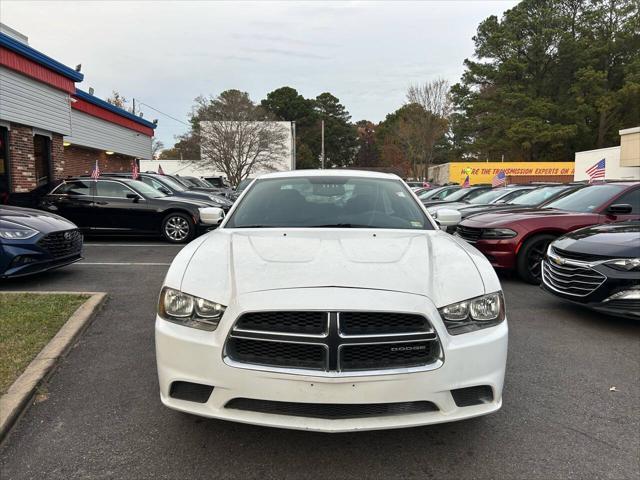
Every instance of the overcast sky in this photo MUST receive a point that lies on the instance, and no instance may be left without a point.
(166, 53)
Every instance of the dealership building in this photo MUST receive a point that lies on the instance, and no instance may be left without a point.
(51, 129)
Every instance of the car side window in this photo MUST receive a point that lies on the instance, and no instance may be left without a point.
(632, 198)
(77, 187)
(112, 190)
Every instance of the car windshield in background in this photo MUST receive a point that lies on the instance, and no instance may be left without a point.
(538, 196)
(173, 184)
(330, 202)
(488, 197)
(587, 199)
(146, 190)
(457, 195)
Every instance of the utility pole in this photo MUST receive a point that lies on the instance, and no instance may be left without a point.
(322, 151)
(134, 106)
(293, 146)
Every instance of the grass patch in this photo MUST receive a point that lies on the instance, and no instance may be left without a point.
(27, 323)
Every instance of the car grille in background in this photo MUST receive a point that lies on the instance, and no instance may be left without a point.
(575, 280)
(582, 257)
(331, 411)
(332, 341)
(62, 244)
(470, 234)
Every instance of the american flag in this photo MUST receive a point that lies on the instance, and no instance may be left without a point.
(95, 173)
(160, 171)
(596, 172)
(499, 179)
(135, 171)
(466, 182)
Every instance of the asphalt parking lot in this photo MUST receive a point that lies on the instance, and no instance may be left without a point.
(100, 415)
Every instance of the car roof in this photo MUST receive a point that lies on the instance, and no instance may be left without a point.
(330, 173)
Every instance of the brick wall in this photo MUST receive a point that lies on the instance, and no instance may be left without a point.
(80, 161)
(21, 159)
(57, 157)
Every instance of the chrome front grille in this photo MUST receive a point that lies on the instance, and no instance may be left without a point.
(332, 342)
(570, 278)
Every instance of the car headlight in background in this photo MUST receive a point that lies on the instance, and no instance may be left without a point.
(625, 264)
(474, 314)
(184, 309)
(20, 233)
(498, 233)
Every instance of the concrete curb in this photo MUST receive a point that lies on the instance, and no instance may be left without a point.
(16, 400)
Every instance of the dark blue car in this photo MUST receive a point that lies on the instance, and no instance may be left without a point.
(33, 241)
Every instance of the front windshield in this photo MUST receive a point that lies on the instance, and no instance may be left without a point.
(146, 190)
(489, 196)
(172, 183)
(538, 196)
(586, 200)
(329, 201)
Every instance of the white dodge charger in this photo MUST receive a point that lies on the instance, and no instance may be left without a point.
(331, 301)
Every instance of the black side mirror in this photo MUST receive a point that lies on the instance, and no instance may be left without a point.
(620, 209)
(133, 196)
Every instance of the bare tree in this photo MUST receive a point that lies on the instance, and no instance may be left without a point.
(156, 148)
(236, 148)
(432, 122)
(236, 136)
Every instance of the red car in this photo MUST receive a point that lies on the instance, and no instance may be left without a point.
(518, 239)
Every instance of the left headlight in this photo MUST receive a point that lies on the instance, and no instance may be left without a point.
(20, 233)
(474, 314)
(184, 309)
(625, 264)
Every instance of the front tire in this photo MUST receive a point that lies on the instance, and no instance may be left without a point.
(529, 263)
(178, 228)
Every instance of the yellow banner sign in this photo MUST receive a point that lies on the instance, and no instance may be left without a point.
(484, 172)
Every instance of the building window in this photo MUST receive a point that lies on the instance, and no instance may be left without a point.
(42, 156)
(4, 164)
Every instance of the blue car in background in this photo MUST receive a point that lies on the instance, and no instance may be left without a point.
(33, 241)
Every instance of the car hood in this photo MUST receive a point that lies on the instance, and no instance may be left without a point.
(617, 240)
(523, 215)
(232, 262)
(36, 219)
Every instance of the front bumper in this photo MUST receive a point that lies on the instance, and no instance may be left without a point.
(615, 281)
(22, 259)
(190, 355)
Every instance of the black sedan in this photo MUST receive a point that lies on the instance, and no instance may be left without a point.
(124, 206)
(598, 267)
(169, 186)
(33, 241)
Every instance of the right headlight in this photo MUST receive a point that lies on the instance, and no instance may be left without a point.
(474, 314)
(18, 233)
(184, 309)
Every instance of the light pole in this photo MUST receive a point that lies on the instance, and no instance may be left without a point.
(322, 148)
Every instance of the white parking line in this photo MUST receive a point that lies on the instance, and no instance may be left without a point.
(129, 245)
(124, 263)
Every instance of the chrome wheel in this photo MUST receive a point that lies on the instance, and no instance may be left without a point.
(177, 229)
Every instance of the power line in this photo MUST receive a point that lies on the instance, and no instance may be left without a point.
(162, 113)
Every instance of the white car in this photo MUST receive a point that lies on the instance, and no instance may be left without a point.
(331, 301)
